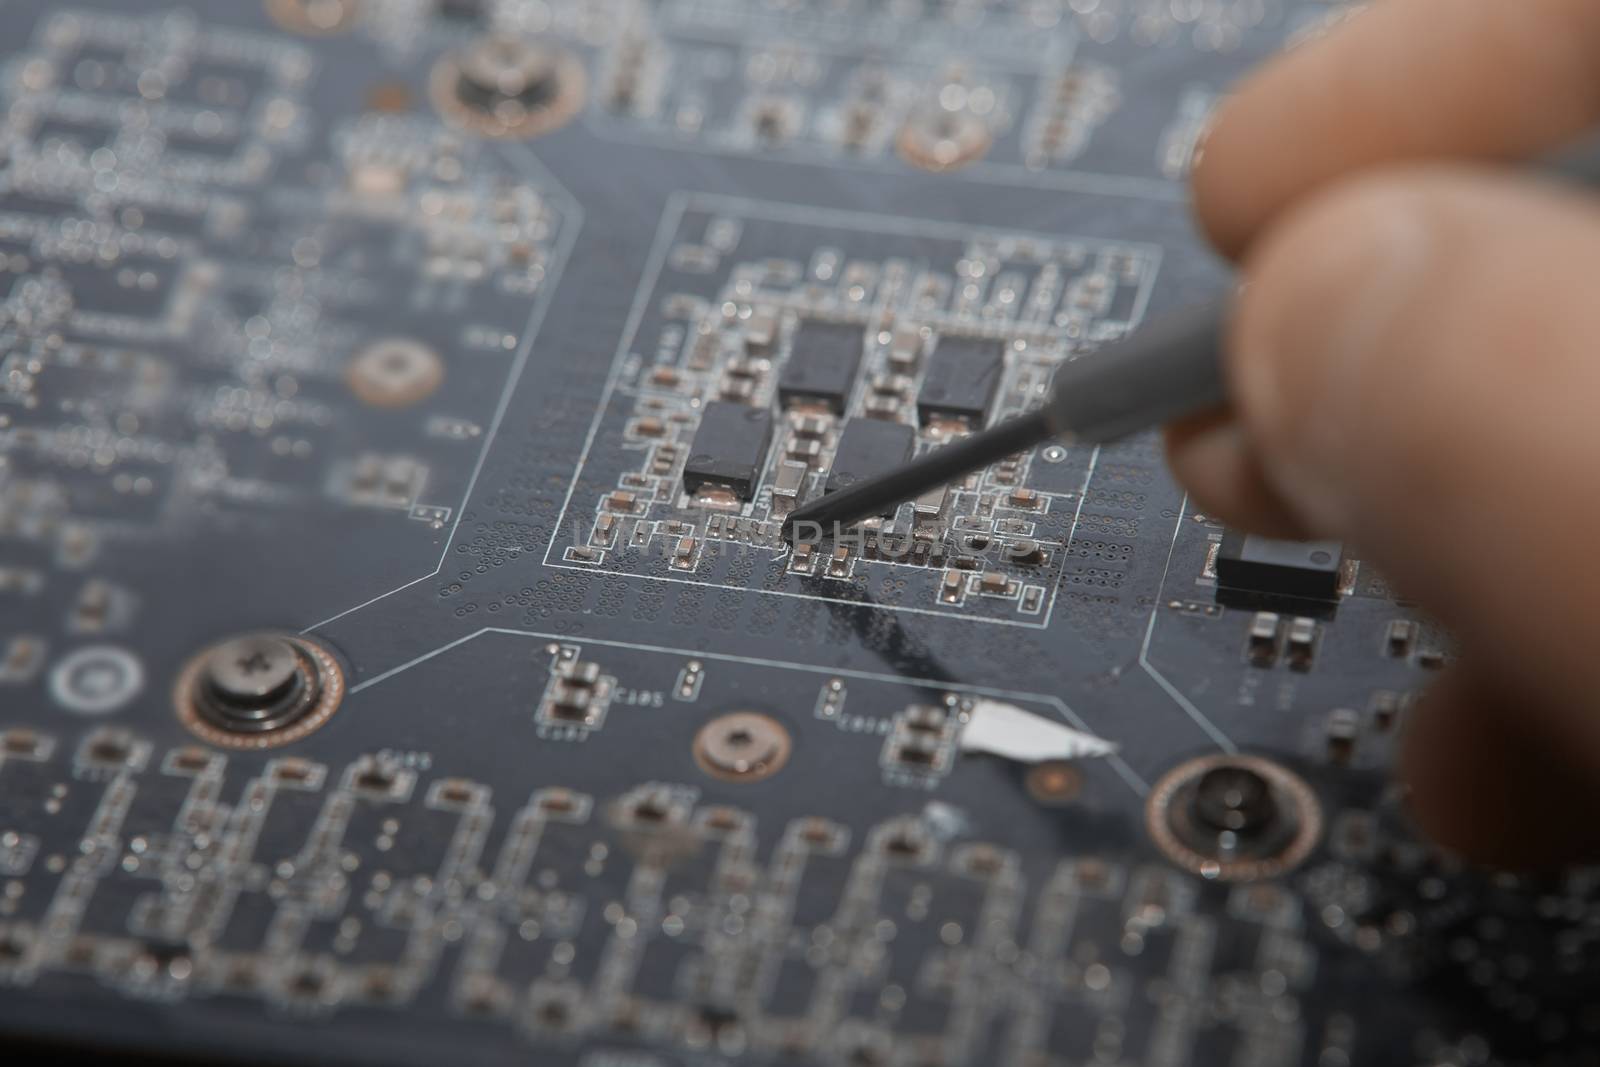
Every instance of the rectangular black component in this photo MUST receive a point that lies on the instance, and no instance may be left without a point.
(822, 364)
(868, 447)
(1286, 568)
(730, 448)
(462, 10)
(962, 376)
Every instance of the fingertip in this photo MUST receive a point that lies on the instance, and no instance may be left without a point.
(1313, 322)
(1216, 199)
(1391, 84)
(1240, 179)
(1212, 459)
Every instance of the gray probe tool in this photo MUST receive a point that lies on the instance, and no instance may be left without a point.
(1164, 371)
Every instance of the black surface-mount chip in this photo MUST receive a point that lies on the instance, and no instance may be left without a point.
(867, 448)
(1283, 568)
(460, 10)
(729, 450)
(960, 382)
(821, 369)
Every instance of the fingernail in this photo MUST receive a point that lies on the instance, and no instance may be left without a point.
(1314, 326)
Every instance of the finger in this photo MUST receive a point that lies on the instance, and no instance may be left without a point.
(1212, 458)
(1493, 791)
(1403, 80)
(1413, 365)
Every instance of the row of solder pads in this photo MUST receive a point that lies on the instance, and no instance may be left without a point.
(960, 378)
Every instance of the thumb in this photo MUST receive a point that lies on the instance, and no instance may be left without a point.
(1414, 371)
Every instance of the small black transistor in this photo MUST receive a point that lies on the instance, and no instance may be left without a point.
(961, 379)
(822, 364)
(729, 449)
(1284, 568)
(867, 448)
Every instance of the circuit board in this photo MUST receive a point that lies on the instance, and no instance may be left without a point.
(399, 656)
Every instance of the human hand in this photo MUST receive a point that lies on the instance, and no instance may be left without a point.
(1415, 367)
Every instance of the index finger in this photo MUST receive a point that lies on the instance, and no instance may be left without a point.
(1404, 80)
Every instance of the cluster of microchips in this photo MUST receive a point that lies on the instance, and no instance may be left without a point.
(959, 381)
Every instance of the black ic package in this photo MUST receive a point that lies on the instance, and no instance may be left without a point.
(869, 447)
(960, 382)
(823, 360)
(730, 449)
(1285, 568)
(460, 10)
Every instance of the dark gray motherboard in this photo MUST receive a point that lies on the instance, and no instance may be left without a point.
(399, 662)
